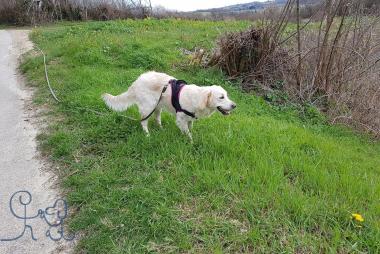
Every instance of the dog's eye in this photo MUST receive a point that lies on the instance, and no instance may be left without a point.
(221, 97)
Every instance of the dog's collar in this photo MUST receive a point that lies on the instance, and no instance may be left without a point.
(177, 86)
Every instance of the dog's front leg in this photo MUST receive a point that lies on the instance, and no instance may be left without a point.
(144, 125)
(190, 125)
(183, 125)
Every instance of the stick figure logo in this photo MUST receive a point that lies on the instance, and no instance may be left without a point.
(54, 216)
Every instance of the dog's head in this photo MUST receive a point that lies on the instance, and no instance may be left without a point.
(218, 99)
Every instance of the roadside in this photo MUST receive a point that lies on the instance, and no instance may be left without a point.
(21, 167)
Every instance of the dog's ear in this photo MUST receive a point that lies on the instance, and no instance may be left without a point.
(208, 99)
(205, 100)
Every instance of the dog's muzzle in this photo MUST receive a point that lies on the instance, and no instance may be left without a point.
(226, 111)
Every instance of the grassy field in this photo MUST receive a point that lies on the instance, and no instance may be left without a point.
(266, 179)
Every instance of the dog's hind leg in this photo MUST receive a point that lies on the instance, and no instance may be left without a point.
(157, 114)
(144, 112)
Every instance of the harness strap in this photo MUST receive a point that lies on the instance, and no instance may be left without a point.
(188, 113)
(177, 86)
(158, 102)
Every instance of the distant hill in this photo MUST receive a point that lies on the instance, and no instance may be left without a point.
(252, 6)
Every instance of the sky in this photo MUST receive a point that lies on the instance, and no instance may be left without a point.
(192, 5)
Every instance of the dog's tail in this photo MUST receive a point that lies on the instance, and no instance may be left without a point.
(120, 102)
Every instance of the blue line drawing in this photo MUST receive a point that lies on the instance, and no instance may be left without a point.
(54, 216)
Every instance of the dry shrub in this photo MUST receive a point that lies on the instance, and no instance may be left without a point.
(343, 80)
(339, 67)
(250, 55)
(255, 54)
(13, 12)
(333, 64)
(341, 76)
(241, 53)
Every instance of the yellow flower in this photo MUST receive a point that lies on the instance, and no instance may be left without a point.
(357, 217)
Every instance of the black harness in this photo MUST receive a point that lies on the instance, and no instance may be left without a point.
(176, 86)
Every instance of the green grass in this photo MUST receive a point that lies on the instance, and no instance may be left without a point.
(263, 180)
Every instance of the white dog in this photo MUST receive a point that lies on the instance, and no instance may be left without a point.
(153, 91)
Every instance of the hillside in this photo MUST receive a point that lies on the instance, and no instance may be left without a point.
(254, 6)
(266, 179)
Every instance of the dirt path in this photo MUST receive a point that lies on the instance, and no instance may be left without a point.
(20, 168)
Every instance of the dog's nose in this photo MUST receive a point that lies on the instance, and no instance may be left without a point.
(233, 105)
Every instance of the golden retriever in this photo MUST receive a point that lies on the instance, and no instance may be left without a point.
(152, 92)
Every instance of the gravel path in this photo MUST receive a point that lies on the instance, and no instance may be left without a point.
(20, 166)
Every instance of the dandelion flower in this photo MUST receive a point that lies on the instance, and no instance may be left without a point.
(357, 217)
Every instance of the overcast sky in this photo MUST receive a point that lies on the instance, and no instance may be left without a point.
(191, 5)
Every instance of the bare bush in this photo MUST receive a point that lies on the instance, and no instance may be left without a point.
(333, 64)
(12, 12)
(255, 54)
(339, 66)
(250, 55)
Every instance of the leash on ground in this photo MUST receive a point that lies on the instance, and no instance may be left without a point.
(47, 76)
(59, 101)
